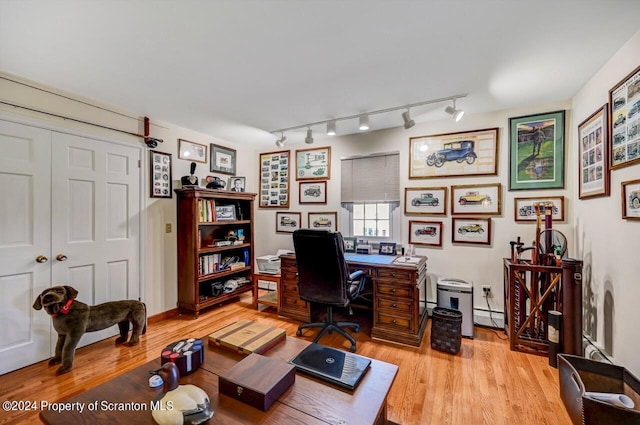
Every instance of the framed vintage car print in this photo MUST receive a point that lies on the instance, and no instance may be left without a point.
(631, 200)
(476, 199)
(288, 222)
(323, 220)
(313, 192)
(624, 121)
(425, 200)
(425, 233)
(466, 153)
(472, 230)
(313, 164)
(524, 208)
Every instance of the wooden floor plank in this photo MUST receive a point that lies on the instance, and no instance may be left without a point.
(485, 383)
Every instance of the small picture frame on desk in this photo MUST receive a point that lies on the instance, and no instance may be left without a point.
(387, 248)
(349, 244)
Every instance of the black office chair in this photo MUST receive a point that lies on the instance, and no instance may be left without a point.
(323, 278)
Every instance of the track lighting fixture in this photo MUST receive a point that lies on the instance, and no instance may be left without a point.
(281, 141)
(364, 122)
(408, 122)
(309, 139)
(331, 128)
(364, 118)
(456, 114)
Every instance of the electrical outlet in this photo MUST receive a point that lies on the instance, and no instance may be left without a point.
(167, 227)
(486, 290)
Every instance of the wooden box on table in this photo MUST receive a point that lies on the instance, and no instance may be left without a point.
(257, 380)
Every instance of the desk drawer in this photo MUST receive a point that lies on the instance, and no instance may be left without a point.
(289, 276)
(293, 302)
(390, 320)
(401, 291)
(405, 275)
(394, 305)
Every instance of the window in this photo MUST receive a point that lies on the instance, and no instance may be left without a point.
(370, 193)
(371, 219)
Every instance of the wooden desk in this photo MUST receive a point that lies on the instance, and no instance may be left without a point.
(307, 401)
(399, 296)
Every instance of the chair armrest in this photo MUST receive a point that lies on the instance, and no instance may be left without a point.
(355, 275)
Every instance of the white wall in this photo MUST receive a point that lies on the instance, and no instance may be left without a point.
(609, 245)
(481, 264)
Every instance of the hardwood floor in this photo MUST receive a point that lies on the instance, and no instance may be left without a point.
(485, 383)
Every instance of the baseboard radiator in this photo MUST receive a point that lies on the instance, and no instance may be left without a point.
(593, 352)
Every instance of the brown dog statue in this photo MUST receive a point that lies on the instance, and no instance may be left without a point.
(72, 318)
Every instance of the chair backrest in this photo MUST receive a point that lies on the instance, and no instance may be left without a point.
(322, 269)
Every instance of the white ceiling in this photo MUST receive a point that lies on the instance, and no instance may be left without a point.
(238, 69)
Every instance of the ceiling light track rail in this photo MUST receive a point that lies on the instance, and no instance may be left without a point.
(150, 141)
(379, 111)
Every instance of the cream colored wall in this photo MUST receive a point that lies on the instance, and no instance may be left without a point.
(481, 264)
(609, 245)
(159, 268)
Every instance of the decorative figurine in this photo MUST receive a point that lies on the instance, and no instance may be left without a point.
(191, 180)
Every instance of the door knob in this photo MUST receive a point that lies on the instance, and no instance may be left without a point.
(61, 257)
(41, 259)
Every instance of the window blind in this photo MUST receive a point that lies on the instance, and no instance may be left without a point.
(374, 178)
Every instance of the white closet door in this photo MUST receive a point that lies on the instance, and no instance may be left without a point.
(25, 234)
(96, 221)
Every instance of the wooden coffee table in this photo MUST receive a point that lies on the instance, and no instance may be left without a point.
(125, 399)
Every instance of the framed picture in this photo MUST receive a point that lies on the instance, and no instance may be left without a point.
(192, 151)
(288, 222)
(237, 184)
(323, 220)
(313, 164)
(225, 213)
(466, 153)
(536, 151)
(387, 248)
(476, 199)
(160, 169)
(593, 155)
(274, 179)
(474, 230)
(223, 160)
(349, 244)
(425, 233)
(524, 208)
(624, 119)
(425, 200)
(313, 193)
(631, 200)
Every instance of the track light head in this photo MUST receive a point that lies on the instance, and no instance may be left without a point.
(364, 122)
(408, 122)
(281, 141)
(331, 128)
(309, 139)
(456, 114)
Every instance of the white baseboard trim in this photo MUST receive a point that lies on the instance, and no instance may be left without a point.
(481, 316)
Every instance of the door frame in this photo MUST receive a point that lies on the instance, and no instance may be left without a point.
(52, 126)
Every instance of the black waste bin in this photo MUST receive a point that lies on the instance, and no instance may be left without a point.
(446, 330)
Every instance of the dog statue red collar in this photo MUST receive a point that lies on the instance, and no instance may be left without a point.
(64, 309)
